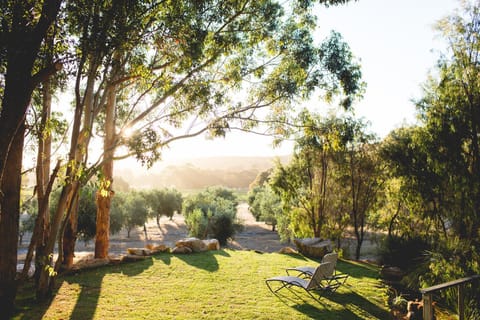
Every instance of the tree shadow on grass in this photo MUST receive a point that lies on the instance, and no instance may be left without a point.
(89, 287)
(203, 260)
(353, 305)
(166, 258)
(353, 301)
(316, 307)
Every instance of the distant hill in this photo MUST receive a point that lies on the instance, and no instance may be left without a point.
(231, 172)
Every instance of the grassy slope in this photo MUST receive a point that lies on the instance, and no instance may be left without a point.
(222, 284)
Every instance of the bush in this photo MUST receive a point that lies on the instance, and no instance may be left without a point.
(197, 223)
(212, 213)
(403, 252)
(223, 227)
(454, 259)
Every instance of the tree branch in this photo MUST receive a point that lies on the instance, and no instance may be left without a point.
(45, 73)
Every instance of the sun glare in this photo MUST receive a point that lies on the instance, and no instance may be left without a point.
(127, 132)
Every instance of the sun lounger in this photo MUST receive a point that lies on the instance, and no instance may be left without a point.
(318, 281)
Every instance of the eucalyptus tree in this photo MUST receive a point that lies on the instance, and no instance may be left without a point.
(361, 175)
(23, 27)
(420, 190)
(450, 112)
(306, 184)
(211, 66)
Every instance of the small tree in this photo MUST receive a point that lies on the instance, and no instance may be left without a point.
(361, 176)
(305, 184)
(265, 205)
(129, 210)
(136, 212)
(217, 209)
(163, 203)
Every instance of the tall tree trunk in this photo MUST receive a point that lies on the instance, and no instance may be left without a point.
(105, 192)
(9, 220)
(70, 229)
(22, 43)
(44, 287)
(78, 157)
(16, 98)
(42, 222)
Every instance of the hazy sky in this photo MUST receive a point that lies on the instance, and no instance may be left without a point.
(396, 46)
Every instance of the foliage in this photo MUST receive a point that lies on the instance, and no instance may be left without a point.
(306, 185)
(87, 213)
(199, 58)
(197, 223)
(239, 276)
(452, 260)
(405, 253)
(27, 220)
(265, 205)
(437, 163)
(131, 208)
(212, 213)
(117, 213)
(164, 202)
(223, 227)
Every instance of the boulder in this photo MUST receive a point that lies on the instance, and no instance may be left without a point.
(393, 274)
(134, 257)
(287, 250)
(212, 244)
(181, 250)
(195, 244)
(157, 248)
(313, 247)
(139, 251)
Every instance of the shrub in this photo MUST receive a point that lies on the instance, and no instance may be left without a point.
(403, 252)
(222, 227)
(450, 260)
(197, 223)
(212, 213)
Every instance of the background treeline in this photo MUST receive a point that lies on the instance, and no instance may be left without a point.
(209, 213)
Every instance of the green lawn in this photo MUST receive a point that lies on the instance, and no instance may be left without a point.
(223, 284)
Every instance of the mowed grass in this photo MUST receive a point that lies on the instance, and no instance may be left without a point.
(225, 284)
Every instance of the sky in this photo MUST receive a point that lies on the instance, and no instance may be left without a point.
(396, 45)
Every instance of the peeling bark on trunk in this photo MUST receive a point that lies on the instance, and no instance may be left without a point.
(105, 193)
